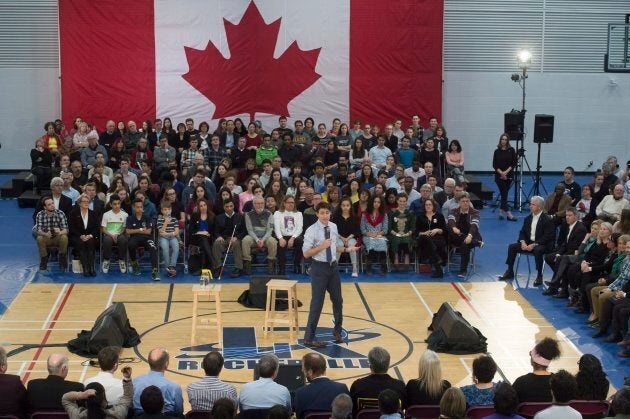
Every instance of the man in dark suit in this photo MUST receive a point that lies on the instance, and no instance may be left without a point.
(536, 237)
(13, 400)
(365, 391)
(45, 393)
(62, 202)
(321, 391)
(571, 234)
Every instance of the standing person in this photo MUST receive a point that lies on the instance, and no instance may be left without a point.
(504, 163)
(318, 244)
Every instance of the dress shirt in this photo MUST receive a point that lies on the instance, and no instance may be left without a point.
(315, 235)
(202, 394)
(113, 386)
(173, 400)
(263, 393)
(570, 230)
(532, 230)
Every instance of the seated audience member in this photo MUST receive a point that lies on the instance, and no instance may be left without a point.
(401, 223)
(96, 404)
(46, 393)
(556, 203)
(389, 404)
(139, 230)
(264, 393)
(621, 404)
(534, 386)
(571, 234)
(447, 193)
(13, 400)
(453, 404)
(88, 154)
(455, 161)
(536, 237)
(173, 401)
(229, 230)
(622, 226)
(607, 286)
(67, 190)
(348, 229)
(572, 188)
(51, 227)
(341, 407)
(287, 225)
(259, 226)
(463, 231)
(364, 391)
(152, 403)
(199, 179)
(168, 232)
(592, 383)
(505, 403)
(451, 203)
(416, 171)
(481, 393)
(563, 390)
(429, 387)
(320, 393)
(203, 394)
(374, 229)
(595, 263)
(609, 209)
(108, 362)
(431, 228)
(223, 408)
(279, 412)
(585, 205)
(84, 225)
(113, 233)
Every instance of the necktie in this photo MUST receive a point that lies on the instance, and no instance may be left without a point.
(328, 249)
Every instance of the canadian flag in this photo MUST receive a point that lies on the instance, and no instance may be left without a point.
(374, 60)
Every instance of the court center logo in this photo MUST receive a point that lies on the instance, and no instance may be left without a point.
(243, 346)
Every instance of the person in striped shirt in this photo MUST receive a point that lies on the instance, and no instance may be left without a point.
(202, 394)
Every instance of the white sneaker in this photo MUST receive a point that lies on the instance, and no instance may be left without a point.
(105, 266)
(123, 266)
(355, 274)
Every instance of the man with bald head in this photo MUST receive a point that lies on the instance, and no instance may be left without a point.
(46, 393)
(132, 136)
(107, 137)
(173, 400)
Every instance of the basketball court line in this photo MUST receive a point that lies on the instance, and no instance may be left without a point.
(422, 300)
(48, 332)
(54, 306)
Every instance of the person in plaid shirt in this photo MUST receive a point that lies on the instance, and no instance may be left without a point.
(51, 226)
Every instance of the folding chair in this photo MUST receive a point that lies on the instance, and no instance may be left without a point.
(591, 409)
(422, 412)
(453, 257)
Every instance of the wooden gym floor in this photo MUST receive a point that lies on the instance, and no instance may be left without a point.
(394, 315)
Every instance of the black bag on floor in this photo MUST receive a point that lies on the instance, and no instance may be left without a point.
(111, 328)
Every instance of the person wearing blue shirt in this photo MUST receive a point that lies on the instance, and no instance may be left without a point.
(172, 392)
(139, 228)
(265, 393)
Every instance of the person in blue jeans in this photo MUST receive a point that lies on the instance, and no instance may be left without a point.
(168, 230)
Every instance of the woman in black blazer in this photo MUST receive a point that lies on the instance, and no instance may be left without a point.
(431, 228)
(84, 233)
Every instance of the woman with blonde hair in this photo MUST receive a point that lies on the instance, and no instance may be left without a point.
(453, 404)
(429, 387)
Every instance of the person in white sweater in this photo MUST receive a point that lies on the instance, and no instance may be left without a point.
(609, 209)
(287, 225)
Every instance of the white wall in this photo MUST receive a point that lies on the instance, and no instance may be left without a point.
(28, 98)
(592, 115)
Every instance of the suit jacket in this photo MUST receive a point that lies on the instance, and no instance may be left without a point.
(317, 396)
(65, 205)
(46, 393)
(545, 231)
(13, 400)
(568, 246)
(77, 228)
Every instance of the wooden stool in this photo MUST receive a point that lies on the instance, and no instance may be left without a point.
(211, 290)
(291, 316)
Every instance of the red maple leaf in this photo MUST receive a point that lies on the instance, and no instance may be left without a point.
(251, 80)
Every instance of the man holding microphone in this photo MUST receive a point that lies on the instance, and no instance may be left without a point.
(320, 243)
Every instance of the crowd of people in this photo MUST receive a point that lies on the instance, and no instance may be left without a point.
(153, 395)
(396, 194)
